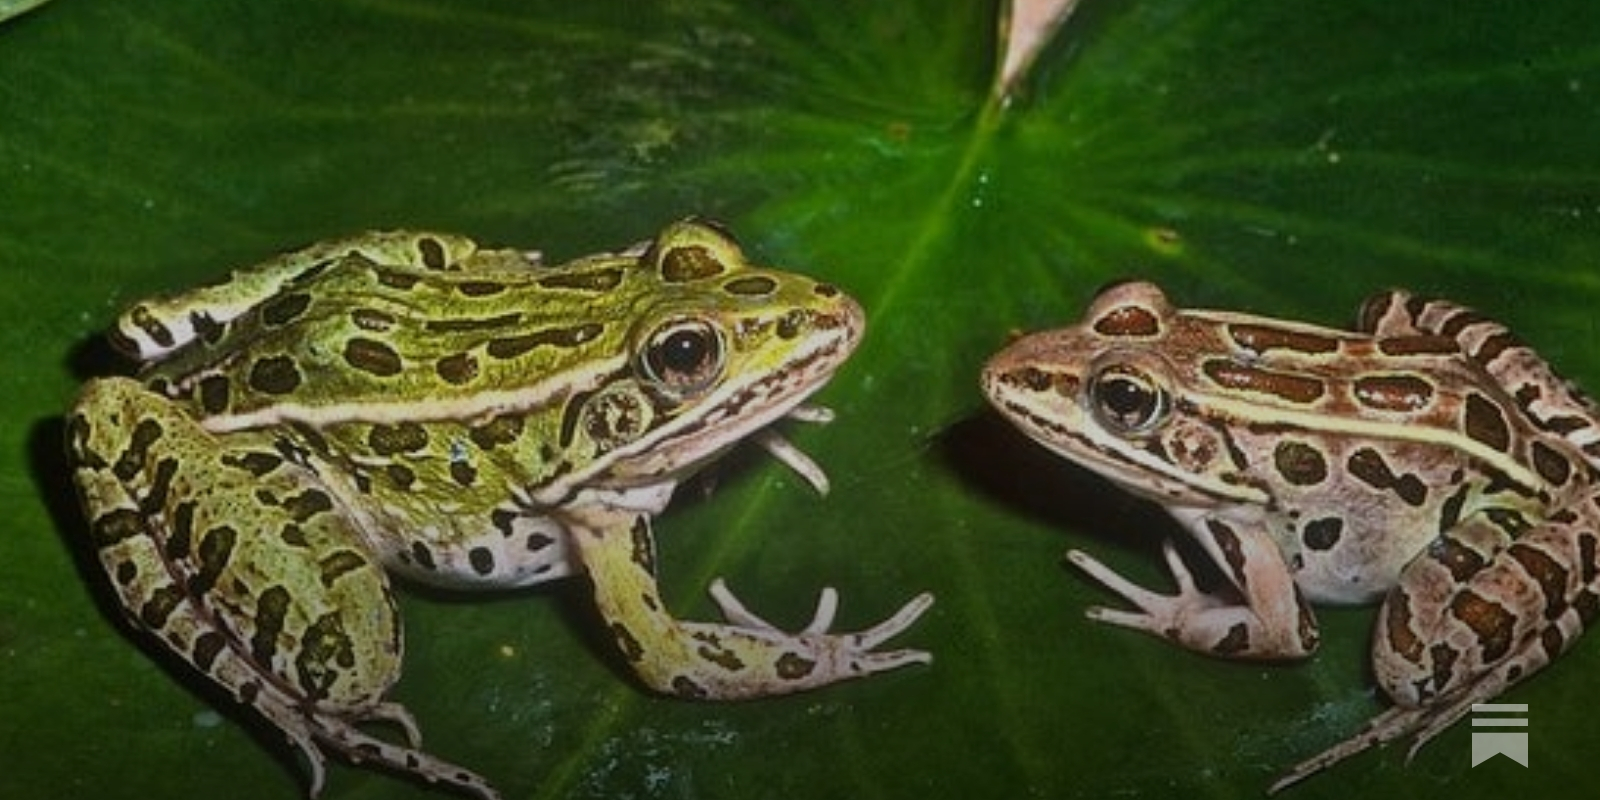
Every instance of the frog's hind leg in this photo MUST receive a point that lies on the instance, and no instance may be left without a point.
(1475, 615)
(233, 556)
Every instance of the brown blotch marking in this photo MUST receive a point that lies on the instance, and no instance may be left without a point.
(627, 643)
(214, 550)
(685, 687)
(1397, 624)
(275, 375)
(284, 309)
(751, 286)
(125, 573)
(1444, 659)
(207, 646)
(1299, 463)
(371, 319)
(713, 650)
(496, 432)
(1403, 393)
(689, 263)
(326, 652)
(1462, 561)
(179, 545)
(794, 667)
(293, 535)
(372, 357)
(154, 328)
(457, 370)
(1551, 465)
(255, 462)
(1492, 347)
(155, 497)
(1587, 604)
(307, 504)
(1232, 551)
(644, 545)
(1261, 338)
(480, 288)
(1128, 321)
(213, 392)
(1588, 558)
(422, 556)
(572, 336)
(1483, 422)
(598, 280)
(1547, 572)
(1294, 388)
(1237, 640)
(1322, 534)
(463, 473)
(432, 253)
(400, 475)
(156, 610)
(481, 559)
(791, 325)
(132, 459)
(339, 564)
(404, 437)
(207, 328)
(1490, 621)
(471, 324)
(1368, 466)
(397, 279)
(1553, 641)
(1423, 344)
(272, 609)
(116, 526)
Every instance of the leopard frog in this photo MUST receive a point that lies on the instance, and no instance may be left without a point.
(1427, 459)
(466, 417)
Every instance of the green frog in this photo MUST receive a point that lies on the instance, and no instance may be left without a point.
(411, 403)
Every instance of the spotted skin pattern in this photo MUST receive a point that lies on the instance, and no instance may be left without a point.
(1428, 460)
(409, 403)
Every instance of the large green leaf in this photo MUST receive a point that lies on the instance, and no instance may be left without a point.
(1282, 157)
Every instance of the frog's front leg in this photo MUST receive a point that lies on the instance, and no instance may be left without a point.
(1473, 616)
(236, 559)
(1269, 619)
(743, 658)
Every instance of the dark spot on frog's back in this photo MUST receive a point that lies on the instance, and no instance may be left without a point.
(432, 253)
(457, 370)
(284, 309)
(751, 286)
(513, 346)
(372, 357)
(275, 375)
(404, 437)
(1483, 422)
(1128, 321)
(689, 263)
(1299, 463)
(597, 280)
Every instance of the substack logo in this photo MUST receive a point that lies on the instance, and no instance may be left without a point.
(1500, 728)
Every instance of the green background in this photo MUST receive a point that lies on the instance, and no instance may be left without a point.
(1287, 158)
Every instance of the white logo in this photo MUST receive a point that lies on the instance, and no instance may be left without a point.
(1488, 744)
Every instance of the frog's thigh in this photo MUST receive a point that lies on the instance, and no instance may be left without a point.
(234, 557)
(1468, 611)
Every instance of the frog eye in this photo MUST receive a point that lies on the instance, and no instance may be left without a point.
(1127, 401)
(683, 356)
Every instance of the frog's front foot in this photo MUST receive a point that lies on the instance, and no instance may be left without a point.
(842, 656)
(1159, 614)
(1270, 621)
